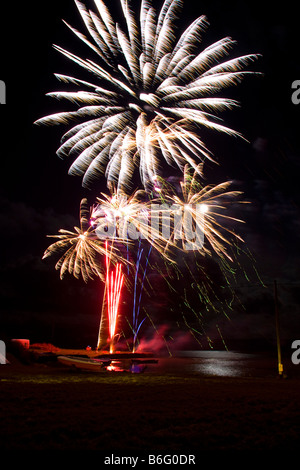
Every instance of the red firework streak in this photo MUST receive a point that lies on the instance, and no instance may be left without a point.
(114, 283)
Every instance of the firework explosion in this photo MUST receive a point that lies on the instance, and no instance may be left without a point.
(80, 249)
(203, 216)
(150, 95)
(125, 219)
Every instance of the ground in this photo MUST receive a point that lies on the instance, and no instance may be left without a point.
(47, 407)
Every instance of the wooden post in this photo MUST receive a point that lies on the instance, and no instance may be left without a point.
(280, 365)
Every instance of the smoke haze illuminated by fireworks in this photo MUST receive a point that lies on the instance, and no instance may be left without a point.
(151, 93)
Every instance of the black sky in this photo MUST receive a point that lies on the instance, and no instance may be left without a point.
(38, 196)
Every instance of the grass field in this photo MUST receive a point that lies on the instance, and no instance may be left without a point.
(48, 408)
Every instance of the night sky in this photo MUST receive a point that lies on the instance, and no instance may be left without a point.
(38, 197)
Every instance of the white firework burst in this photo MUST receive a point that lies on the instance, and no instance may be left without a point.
(151, 93)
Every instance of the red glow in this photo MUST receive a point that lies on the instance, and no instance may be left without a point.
(114, 283)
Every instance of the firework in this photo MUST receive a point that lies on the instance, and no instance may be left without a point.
(114, 283)
(151, 93)
(150, 96)
(115, 215)
(136, 321)
(126, 219)
(201, 215)
(81, 249)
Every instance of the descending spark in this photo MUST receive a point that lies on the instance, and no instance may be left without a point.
(137, 323)
(221, 336)
(151, 94)
(81, 249)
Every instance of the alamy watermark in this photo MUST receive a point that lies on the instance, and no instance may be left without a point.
(159, 222)
(296, 354)
(296, 93)
(2, 352)
(2, 92)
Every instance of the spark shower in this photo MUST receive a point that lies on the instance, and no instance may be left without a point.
(150, 94)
